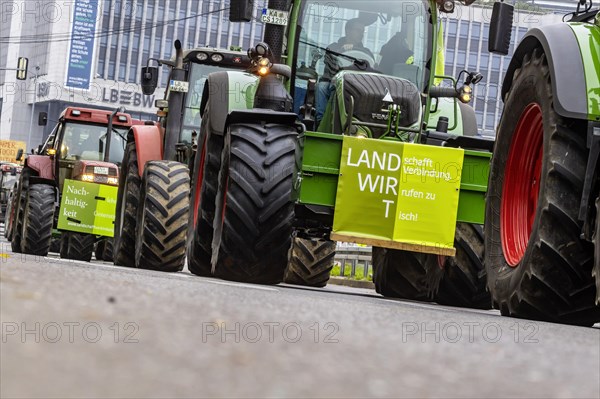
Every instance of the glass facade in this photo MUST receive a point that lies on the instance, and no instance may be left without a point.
(148, 28)
(466, 49)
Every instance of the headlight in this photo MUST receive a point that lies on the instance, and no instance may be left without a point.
(113, 181)
(264, 66)
(466, 94)
(87, 177)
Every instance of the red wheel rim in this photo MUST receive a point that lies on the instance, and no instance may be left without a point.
(199, 183)
(521, 189)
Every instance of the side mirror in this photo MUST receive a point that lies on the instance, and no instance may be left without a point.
(501, 28)
(19, 156)
(149, 80)
(42, 118)
(240, 10)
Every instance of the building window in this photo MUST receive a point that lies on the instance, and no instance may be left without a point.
(133, 73)
(111, 70)
(121, 71)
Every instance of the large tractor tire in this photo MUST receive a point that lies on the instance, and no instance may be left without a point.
(10, 213)
(104, 250)
(406, 275)
(126, 209)
(162, 216)
(310, 263)
(204, 189)
(464, 280)
(253, 227)
(19, 205)
(537, 265)
(38, 217)
(596, 270)
(77, 246)
(17, 224)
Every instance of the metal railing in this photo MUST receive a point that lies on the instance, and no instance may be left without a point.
(354, 255)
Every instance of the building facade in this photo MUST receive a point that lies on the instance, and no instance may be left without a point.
(466, 34)
(89, 52)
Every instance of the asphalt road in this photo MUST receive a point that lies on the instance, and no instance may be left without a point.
(71, 329)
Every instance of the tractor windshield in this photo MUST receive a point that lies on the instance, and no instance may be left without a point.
(86, 141)
(392, 36)
(191, 114)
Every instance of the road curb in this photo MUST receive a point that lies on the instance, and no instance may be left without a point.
(351, 283)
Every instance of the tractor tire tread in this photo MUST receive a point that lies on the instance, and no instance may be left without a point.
(160, 239)
(310, 263)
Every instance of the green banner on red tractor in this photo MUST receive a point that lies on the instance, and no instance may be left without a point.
(88, 208)
(398, 195)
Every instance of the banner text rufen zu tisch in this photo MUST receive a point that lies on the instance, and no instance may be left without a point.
(81, 48)
(88, 208)
(396, 191)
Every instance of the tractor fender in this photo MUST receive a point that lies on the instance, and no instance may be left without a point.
(465, 123)
(148, 144)
(43, 166)
(259, 115)
(225, 92)
(566, 67)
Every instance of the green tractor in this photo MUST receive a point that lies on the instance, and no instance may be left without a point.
(387, 158)
(542, 215)
(152, 210)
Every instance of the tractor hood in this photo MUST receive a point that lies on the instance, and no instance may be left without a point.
(96, 172)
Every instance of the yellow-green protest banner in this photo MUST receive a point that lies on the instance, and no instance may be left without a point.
(398, 195)
(88, 208)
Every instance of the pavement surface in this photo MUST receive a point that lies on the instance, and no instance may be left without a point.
(74, 329)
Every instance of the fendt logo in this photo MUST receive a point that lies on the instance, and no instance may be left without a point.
(381, 117)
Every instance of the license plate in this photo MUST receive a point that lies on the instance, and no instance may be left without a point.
(100, 170)
(274, 17)
(178, 85)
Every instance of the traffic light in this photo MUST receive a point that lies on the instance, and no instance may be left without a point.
(22, 68)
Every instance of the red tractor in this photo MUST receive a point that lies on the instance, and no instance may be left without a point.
(68, 186)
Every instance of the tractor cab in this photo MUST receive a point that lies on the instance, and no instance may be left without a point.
(387, 37)
(371, 69)
(201, 62)
(190, 81)
(86, 146)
